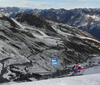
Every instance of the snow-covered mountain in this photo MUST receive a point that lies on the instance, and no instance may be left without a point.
(10, 11)
(27, 43)
(86, 19)
(13, 11)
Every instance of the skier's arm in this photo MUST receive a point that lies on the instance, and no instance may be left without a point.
(74, 66)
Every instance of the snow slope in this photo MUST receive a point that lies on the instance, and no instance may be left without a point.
(93, 79)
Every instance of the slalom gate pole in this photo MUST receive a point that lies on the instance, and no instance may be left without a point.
(51, 66)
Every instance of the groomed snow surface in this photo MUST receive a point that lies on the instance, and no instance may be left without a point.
(93, 79)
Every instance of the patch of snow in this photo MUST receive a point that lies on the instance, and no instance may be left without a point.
(84, 24)
(41, 34)
(18, 23)
(95, 17)
(7, 14)
(6, 74)
(2, 10)
(33, 79)
(83, 37)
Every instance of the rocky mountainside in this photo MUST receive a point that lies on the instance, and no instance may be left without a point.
(28, 42)
(85, 19)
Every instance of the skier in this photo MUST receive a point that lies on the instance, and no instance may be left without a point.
(78, 68)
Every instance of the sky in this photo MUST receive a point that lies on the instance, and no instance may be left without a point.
(46, 4)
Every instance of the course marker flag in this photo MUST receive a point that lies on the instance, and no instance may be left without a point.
(54, 61)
